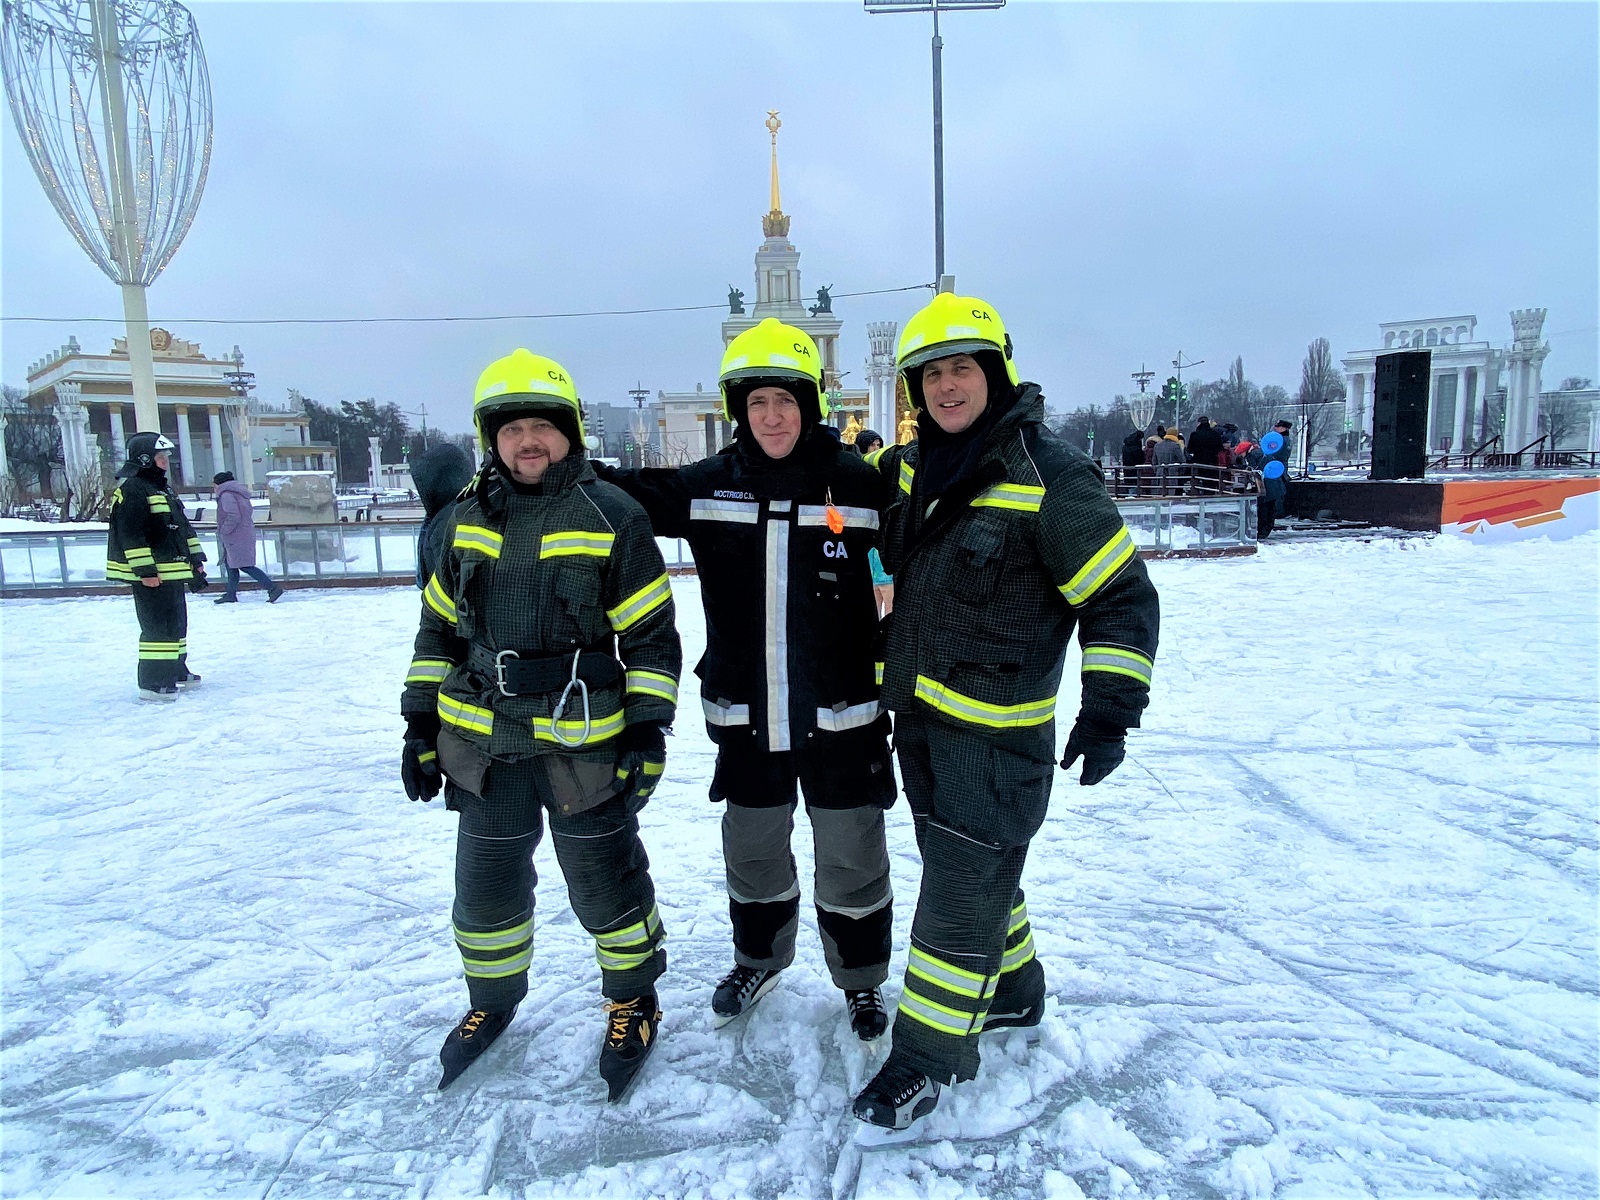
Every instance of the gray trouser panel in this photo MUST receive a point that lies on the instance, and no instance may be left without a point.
(854, 901)
(608, 883)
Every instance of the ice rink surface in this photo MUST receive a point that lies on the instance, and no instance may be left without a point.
(1330, 931)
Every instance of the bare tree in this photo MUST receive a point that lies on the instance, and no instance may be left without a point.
(1321, 394)
(33, 442)
(1559, 415)
(88, 495)
(1576, 383)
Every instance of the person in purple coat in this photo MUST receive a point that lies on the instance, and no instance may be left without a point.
(236, 534)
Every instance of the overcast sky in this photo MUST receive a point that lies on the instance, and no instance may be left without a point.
(1123, 182)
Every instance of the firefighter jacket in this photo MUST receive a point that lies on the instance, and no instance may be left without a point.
(150, 537)
(990, 583)
(790, 616)
(531, 574)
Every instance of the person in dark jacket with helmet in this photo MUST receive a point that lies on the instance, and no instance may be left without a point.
(544, 674)
(152, 546)
(1002, 541)
(440, 475)
(781, 524)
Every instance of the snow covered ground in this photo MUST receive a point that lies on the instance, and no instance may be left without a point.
(1330, 931)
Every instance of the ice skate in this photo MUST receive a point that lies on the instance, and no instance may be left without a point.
(159, 695)
(738, 992)
(892, 1105)
(868, 1019)
(468, 1041)
(631, 1028)
(189, 682)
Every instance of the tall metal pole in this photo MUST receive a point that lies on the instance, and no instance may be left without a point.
(938, 148)
(125, 215)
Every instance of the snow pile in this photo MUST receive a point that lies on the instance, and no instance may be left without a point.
(1329, 931)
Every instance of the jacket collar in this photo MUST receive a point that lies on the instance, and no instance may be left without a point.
(495, 492)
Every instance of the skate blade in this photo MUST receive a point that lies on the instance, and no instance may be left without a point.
(875, 1137)
(618, 1089)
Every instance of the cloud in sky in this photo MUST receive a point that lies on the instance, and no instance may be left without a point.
(1122, 181)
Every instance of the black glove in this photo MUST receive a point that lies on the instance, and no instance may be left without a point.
(641, 758)
(199, 583)
(419, 758)
(1100, 744)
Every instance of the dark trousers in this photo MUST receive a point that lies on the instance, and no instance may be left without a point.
(977, 798)
(1266, 516)
(608, 883)
(163, 634)
(232, 576)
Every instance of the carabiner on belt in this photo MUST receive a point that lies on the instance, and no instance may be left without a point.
(561, 706)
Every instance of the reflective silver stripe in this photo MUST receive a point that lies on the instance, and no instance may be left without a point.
(428, 670)
(854, 518)
(1095, 573)
(640, 605)
(949, 976)
(1118, 662)
(652, 683)
(837, 720)
(939, 1017)
(1017, 955)
(853, 913)
(778, 635)
(780, 506)
(789, 893)
(500, 939)
(497, 968)
(745, 512)
(725, 714)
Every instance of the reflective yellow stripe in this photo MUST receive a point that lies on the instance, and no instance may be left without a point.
(640, 605)
(171, 570)
(907, 474)
(117, 570)
(1023, 497)
(140, 554)
(600, 728)
(1107, 561)
(158, 504)
(1019, 916)
(194, 546)
(466, 716)
(161, 651)
(427, 756)
(429, 670)
(872, 459)
(949, 976)
(630, 935)
(937, 1016)
(629, 947)
(434, 597)
(996, 716)
(476, 537)
(497, 968)
(1118, 662)
(1017, 956)
(652, 683)
(500, 939)
(877, 673)
(576, 541)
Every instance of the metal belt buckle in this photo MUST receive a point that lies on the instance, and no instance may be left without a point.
(500, 671)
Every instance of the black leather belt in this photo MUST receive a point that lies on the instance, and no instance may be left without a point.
(518, 674)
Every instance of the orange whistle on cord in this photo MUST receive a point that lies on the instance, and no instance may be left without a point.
(835, 519)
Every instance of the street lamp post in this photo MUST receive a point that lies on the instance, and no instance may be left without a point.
(935, 7)
(1177, 398)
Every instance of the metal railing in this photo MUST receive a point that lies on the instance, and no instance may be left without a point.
(304, 555)
(1193, 525)
(1180, 479)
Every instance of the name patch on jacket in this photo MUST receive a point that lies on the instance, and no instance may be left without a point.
(725, 494)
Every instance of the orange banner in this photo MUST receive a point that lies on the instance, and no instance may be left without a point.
(1507, 509)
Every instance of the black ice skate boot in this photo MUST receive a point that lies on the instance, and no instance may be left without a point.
(738, 992)
(867, 1016)
(1019, 1001)
(631, 1028)
(891, 1105)
(468, 1041)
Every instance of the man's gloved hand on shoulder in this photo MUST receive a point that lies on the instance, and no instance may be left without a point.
(1100, 744)
(419, 757)
(641, 759)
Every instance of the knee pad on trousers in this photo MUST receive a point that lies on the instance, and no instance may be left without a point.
(861, 941)
(756, 926)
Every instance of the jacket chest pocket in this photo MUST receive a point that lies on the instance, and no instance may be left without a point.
(977, 560)
(578, 620)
